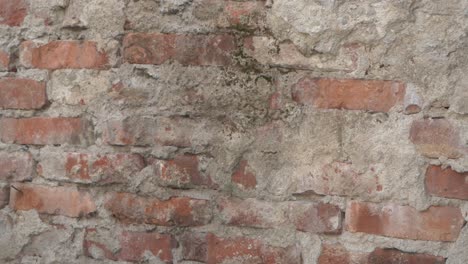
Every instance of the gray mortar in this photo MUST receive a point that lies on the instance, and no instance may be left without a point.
(422, 42)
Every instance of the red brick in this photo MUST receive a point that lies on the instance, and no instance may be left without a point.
(4, 61)
(4, 196)
(181, 172)
(446, 183)
(156, 48)
(211, 249)
(22, 94)
(304, 216)
(63, 54)
(67, 201)
(337, 254)
(176, 211)
(435, 138)
(194, 246)
(393, 256)
(350, 94)
(244, 14)
(247, 250)
(85, 168)
(315, 217)
(436, 223)
(16, 166)
(132, 246)
(342, 178)
(45, 131)
(12, 12)
(244, 177)
(143, 131)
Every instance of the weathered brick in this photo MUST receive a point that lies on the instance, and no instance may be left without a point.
(211, 249)
(87, 168)
(304, 216)
(336, 253)
(446, 182)
(16, 166)
(4, 61)
(393, 256)
(436, 223)
(181, 172)
(156, 48)
(132, 246)
(45, 131)
(435, 138)
(247, 250)
(67, 201)
(176, 211)
(240, 14)
(145, 131)
(243, 176)
(194, 246)
(350, 94)
(12, 12)
(315, 217)
(286, 55)
(63, 54)
(16, 93)
(4, 196)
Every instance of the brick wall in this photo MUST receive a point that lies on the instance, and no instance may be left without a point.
(240, 131)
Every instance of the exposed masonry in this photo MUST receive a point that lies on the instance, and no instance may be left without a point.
(225, 131)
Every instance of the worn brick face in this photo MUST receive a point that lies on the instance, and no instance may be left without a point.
(307, 217)
(435, 138)
(392, 256)
(63, 55)
(67, 201)
(176, 211)
(45, 131)
(369, 95)
(436, 223)
(16, 166)
(4, 60)
(243, 176)
(132, 246)
(13, 12)
(16, 93)
(446, 182)
(182, 171)
(155, 48)
(87, 168)
(212, 249)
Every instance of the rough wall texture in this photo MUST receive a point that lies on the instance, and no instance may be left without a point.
(212, 131)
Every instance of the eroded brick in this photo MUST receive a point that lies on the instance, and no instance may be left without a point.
(176, 211)
(63, 54)
(435, 138)
(243, 176)
(156, 48)
(181, 172)
(350, 94)
(393, 256)
(87, 168)
(13, 12)
(131, 246)
(16, 93)
(45, 131)
(436, 223)
(67, 201)
(446, 182)
(304, 216)
(16, 166)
